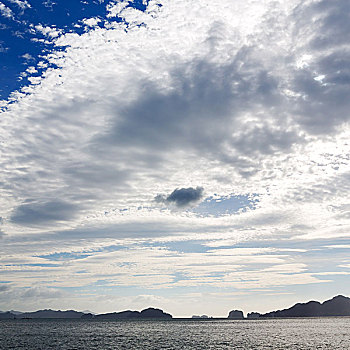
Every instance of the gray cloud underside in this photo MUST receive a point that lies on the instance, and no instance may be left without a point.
(43, 212)
(208, 100)
(204, 112)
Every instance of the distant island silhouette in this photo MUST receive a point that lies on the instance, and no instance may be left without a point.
(150, 313)
(147, 313)
(236, 315)
(337, 306)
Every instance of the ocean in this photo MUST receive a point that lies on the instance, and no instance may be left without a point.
(294, 334)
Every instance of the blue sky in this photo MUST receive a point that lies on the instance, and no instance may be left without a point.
(23, 42)
(188, 155)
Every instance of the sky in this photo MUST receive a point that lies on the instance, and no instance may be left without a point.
(190, 155)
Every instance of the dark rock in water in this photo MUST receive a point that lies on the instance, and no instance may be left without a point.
(338, 306)
(253, 315)
(236, 314)
(147, 313)
(7, 316)
(51, 314)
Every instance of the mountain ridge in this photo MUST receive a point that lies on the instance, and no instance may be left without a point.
(72, 314)
(337, 306)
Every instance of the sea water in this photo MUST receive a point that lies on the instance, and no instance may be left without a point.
(294, 334)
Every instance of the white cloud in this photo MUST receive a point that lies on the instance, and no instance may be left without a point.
(22, 4)
(114, 8)
(51, 32)
(91, 22)
(5, 11)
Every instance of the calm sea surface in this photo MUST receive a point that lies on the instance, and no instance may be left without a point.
(321, 333)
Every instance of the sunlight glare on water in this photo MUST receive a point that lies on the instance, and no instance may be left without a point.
(296, 334)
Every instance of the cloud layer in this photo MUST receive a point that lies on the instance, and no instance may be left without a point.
(247, 99)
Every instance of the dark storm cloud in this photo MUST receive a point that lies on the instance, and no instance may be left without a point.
(39, 213)
(182, 197)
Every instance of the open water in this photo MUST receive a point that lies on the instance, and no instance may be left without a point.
(294, 334)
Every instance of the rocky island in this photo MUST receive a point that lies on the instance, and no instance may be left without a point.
(337, 306)
(48, 313)
(144, 314)
(149, 313)
(236, 315)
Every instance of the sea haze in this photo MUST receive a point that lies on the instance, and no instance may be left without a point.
(294, 334)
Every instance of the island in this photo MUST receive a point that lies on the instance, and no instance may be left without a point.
(48, 313)
(149, 313)
(337, 306)
(7, 315)
(236, 315)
